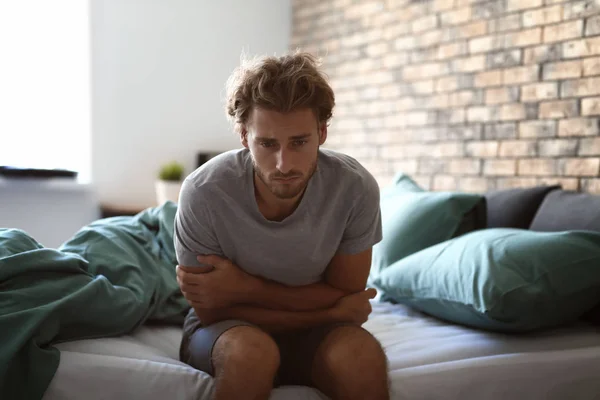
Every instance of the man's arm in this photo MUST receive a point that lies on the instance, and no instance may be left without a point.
(354, 309)
(345, 274)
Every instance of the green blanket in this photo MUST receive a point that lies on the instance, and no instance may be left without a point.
(111, 277)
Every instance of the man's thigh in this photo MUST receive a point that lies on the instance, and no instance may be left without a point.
(297, 350)
(198, 341)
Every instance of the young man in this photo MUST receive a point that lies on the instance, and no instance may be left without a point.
(274, 246)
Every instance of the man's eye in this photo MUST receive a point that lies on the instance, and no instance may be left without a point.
(267, 144)
(299, 142)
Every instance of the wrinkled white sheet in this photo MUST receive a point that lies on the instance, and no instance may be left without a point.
(428, 359)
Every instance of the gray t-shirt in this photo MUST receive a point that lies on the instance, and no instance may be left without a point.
(218, 214)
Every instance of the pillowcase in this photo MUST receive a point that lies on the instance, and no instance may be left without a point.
(414, 219)
(506, 280)
(515, 208)
(564, 210)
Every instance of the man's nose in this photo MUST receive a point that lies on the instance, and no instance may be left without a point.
(284, 161)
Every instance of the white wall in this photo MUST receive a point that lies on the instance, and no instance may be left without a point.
(159, 69)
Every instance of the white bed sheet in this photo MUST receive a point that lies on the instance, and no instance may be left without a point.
(428, 359)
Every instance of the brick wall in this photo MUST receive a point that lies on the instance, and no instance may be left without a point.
(462, 94)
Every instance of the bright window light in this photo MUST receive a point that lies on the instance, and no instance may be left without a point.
(45, 84)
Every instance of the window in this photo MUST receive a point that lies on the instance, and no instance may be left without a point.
(45, 84)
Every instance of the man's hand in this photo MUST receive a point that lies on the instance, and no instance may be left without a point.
(223, 286)
(354, 308)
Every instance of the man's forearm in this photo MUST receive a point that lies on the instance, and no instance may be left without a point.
(269, 320)
(273, 295)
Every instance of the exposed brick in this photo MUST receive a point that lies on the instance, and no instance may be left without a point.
(405, 42)
(432, 166)
(537, 129)
(579, 127)
(564, 31)
(422, 87)
(542, 54)
(518, 148)
(425, 23)
(592, 26)
(501, 95)
(488, 9)
(485, 149)
(591, 66)
(446, 84)
(514, 75)
(508, 58)
(406, 166)
(591, 185)
(394, 31)
(469, 64)
(579, 166)
(423, 181)
(450, 117)
(589, 147)
(500, 167)
(476, 28)
(444, 183)
(377, 49)
(488, 78)
(557, 147)
(506, 23)
(512, 112)
(459, 132)
(442, 5)
(536, 167)
(505, 130)
(446, 149)
(482, 113)
(485, 43)
(542, 16)
(510, 183)
(558, 109)
(590, 106)
(564, 183)
(563, 70)
(464, 167)
(474, 184)
(414, 72)
(580, 8)
(523, 38)
(539, 91)
(515, 5)
(429, 38)
(455, 17)
(581, 47)
(450, 50)
(395, 59)
(465, 98)
(580, 87)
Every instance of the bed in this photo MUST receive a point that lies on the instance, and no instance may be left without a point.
(428, 359)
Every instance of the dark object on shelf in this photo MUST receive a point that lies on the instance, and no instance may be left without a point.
(15, 172)
(203, 157)
(107, 211)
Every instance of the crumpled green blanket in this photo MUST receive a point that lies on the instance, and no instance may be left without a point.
(113, 276)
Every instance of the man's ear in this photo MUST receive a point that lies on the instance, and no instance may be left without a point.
(322, 133)
(244, 136)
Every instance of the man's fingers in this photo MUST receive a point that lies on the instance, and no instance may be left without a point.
(371, 293)
(210, 259)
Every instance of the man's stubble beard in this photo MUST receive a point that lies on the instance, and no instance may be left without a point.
(286, 193)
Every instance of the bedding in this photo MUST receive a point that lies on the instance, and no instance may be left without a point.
(501, 279)
(428, 359)
(109, 279)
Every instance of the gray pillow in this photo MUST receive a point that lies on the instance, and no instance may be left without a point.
(515, 208)
(566, 210)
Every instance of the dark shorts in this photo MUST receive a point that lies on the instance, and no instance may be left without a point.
(297, 348)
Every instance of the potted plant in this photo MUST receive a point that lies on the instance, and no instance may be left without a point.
(169, 181)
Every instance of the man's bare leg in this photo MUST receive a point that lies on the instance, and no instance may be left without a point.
(245, 360)
(350, 364)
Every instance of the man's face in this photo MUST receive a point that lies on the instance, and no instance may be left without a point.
(284, 148)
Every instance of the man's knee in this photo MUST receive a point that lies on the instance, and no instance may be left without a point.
(247, 348)
(350, 363)
(350, 349)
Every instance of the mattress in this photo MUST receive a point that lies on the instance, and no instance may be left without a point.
(428, 359)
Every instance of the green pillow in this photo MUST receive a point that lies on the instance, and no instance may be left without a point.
(414, 219)
(501, 279)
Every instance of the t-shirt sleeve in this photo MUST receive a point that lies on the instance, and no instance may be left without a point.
(363, 229)
(193, 230)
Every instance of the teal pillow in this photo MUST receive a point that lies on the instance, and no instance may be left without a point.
(414, 219)
(501, 279)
